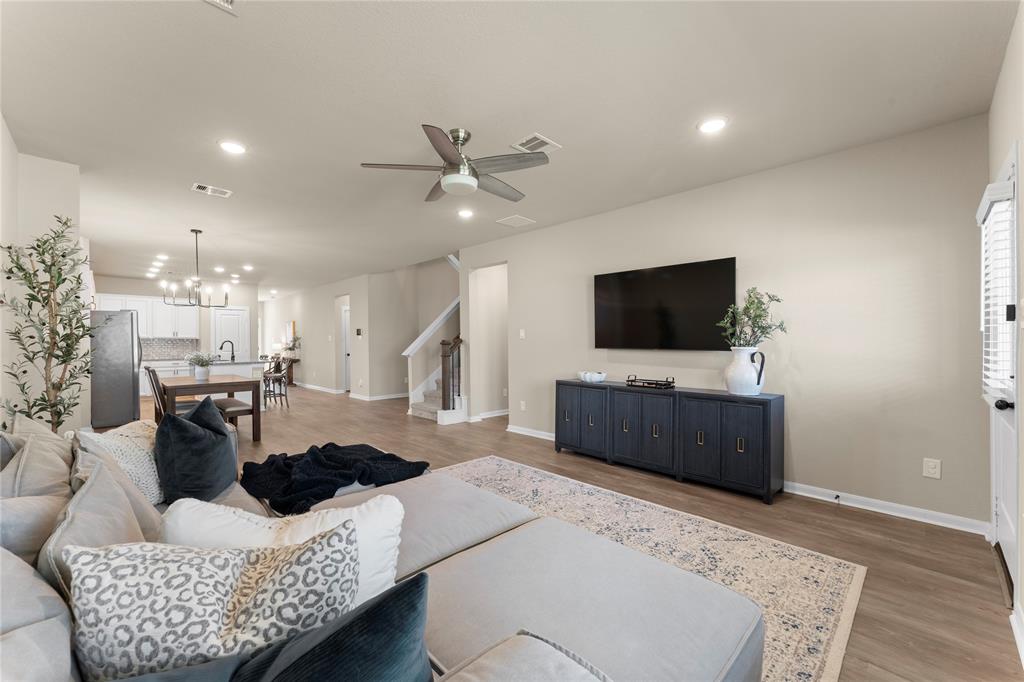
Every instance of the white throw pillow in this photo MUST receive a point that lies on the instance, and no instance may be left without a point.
(131, 446)
(146, 608)
(195, 523)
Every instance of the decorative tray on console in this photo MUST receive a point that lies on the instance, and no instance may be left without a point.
(668, 382)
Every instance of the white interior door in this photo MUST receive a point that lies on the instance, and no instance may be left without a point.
(231, 324)
(346, 350)
(998, 222)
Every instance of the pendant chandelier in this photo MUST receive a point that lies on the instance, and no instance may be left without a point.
(193, 290)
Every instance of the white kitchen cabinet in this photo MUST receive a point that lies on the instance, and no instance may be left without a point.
(164, 320)
(109, 302)
(187, 323)
(143, 307)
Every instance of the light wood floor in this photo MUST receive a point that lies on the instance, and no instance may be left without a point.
(931, 608)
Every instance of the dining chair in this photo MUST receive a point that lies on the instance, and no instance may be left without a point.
(160, 400)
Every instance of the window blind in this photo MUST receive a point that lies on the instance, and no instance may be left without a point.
(998, 291)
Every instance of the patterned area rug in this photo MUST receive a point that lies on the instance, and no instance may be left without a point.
(808, 599)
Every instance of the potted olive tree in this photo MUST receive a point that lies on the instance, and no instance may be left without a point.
(745, 328)
(48, 323)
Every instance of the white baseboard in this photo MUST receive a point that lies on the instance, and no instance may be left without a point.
(891, 508)
(389, 396)
(533, 433)
(1017, 625)
(323, 389)
(487, 415)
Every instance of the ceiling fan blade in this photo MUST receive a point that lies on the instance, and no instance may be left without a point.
(508, 162)
(403, 166)
(443, 144)
(435, 192)
(489, 183)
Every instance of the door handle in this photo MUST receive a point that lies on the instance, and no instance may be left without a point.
(655, 432)
(1004, 404)
(565, 415)
(700, 438)
(590, 420)
(740, 444)
(625, 426)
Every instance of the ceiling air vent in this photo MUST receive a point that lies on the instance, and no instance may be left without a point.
(212, 191)
(536, 143)
(226, 5)
(516, 221)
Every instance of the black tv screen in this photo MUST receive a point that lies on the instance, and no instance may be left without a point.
(675, 307)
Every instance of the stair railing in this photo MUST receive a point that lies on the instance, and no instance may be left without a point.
(451, 372)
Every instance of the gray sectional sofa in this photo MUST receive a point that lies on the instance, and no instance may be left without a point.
(495, 568)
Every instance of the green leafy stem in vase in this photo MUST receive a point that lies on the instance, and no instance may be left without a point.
(748, 326)
(200, 359)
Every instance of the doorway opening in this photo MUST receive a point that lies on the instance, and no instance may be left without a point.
(488, 342)
(342, 344)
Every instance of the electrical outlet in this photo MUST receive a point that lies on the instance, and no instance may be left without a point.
(522, 406)
(504, 392)
(932, 468)
(360, 383)
(522, 334)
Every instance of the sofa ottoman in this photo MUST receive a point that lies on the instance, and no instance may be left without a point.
(632, 616)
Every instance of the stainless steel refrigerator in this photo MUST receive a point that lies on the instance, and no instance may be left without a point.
(116, 360)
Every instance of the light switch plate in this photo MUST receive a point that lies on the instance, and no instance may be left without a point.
(931, 468)
(522, 334)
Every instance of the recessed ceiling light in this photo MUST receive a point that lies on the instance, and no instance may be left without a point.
(273, 291)
(151, 275)
(218, 268)
(232, 147)
(154, 270)
(711, 126)
(247, 268)
(161, 256)
(234, 276)
(157, 264)
(465, 213)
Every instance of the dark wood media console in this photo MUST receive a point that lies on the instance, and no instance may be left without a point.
(708, 436)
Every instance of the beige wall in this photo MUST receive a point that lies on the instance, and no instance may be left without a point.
(33, 191)
(874, 250)
(392, 327)
(487, 342)
(1006, 126)
(241, 295)
(437, 285)
(313, 311)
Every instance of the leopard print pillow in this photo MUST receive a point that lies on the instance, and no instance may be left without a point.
(144, 608)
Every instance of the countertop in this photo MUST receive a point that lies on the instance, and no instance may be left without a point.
(181, 361)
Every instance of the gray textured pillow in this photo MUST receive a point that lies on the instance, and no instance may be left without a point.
(98, 515)
(149, 518)
(179, 606)
(26, 522)
(39, 468)
(9, 447)
(131, 446)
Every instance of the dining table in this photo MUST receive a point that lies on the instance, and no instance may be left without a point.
(217, 383)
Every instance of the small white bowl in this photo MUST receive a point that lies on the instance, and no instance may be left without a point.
(592, 377)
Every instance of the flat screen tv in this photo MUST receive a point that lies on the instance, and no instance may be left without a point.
(675, 307)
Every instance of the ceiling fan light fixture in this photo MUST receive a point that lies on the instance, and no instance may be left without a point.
(458, 184)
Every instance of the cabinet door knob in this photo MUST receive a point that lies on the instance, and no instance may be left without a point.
(590, 420)
(655, 433)
(740, 443)
(700, 438)
(565, 415)
(625, 426)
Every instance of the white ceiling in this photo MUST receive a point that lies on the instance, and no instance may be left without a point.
(139, 93)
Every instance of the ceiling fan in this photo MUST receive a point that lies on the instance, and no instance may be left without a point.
(461, 175)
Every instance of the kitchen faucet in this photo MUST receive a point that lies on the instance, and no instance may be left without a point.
(232, 348)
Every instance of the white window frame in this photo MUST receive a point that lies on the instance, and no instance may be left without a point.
(998, 222)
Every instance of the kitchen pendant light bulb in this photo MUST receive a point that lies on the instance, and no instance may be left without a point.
(163, 284)
(174, 287)
(188, 283)
(226, 288)
(209, 290)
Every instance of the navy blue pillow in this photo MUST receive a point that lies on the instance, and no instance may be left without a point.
(194, 455)
(382, 640)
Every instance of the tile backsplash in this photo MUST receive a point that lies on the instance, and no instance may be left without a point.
(168, 349)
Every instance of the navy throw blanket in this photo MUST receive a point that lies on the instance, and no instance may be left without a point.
(294, 483)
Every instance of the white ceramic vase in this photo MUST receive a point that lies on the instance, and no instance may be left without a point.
(744, 376)
(202, 373)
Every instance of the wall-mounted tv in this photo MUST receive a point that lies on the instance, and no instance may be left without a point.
(675, 307)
